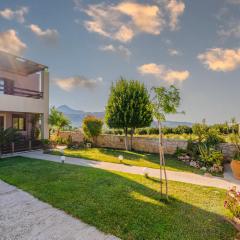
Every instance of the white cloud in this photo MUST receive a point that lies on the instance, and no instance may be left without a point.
(174, 52)
(125, 20)
(68, 84)
(219, 59)
(164, 73)
(18, 14)
(176, 9)
(117, 49)
(48, 34)
(10, 42)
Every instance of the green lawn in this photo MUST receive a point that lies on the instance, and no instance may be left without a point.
(130, 158)
(125, 205)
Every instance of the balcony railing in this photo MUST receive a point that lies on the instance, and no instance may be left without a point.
(22, 92)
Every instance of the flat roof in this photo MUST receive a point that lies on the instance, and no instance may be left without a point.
(18, 65)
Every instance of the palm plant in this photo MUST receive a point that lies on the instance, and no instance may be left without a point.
(57, 120)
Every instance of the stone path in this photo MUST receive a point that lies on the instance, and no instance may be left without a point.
(23, 217)
(224, 183)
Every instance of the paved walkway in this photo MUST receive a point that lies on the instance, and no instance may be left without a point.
(23, 217)
(224, 183)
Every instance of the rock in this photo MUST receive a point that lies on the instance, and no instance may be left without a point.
(204, 169)
(194, 164)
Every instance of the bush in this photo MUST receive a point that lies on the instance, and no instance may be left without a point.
(182, 130)
(232, 202)
(200, 130)
(153, 130)
(210, 156)
(192, 149)
(92, 127)
(213, 138)
(141, 131)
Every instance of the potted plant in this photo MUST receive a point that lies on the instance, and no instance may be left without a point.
(235, 163)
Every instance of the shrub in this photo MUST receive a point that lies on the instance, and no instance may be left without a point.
(232, 202)
(213, 137)
(92, 126)
(210, 156)
(192, 149)
(141, 131)
(200, 130)
(153, 131)
(182, 130)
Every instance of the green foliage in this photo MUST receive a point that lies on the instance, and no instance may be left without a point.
(7, 136)
(165, 101)
(192, 149)
(200, 130)
(57, 120)
(92, 126)
(128, 105)
(210, 156)
(182, 129)
(213, 137)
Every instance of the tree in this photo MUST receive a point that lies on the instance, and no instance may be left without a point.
(57, 120)
(129, 107)
(92, 126)
(165, 101)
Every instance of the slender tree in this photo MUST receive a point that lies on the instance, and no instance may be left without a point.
(129, 107)
(165, 101)
(57, 120)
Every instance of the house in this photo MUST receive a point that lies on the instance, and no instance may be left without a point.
(24, 95)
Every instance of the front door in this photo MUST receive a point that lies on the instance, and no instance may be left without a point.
(1, 122)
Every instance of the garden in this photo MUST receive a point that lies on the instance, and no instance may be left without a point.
(125, 205)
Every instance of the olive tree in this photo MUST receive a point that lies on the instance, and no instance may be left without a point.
(165, 101)
(129, 107)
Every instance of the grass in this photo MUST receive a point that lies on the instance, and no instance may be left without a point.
(130, 158)
(125, 205)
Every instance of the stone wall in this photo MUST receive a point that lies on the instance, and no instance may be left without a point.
(143, 144)
(77, 136)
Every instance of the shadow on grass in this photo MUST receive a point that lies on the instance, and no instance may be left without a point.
(127, 206)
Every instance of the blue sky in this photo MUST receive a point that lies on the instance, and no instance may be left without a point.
(89, 44)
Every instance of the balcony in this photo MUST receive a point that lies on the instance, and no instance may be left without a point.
(17, 91)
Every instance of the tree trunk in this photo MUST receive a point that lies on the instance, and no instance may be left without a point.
(160, 156)
(126, 138)
(131, 140)
(162, 160)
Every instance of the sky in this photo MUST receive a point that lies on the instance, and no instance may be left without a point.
(87, 45)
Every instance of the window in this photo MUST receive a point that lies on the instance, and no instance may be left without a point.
(18, 122)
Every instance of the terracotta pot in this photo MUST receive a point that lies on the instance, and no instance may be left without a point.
(235, 165)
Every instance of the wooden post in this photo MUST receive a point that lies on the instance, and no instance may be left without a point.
(13, 147)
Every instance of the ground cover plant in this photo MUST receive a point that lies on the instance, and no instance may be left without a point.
(125, 205)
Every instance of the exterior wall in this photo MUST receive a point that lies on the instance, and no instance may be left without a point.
(10, 103)
(8, 121)
(144, 144)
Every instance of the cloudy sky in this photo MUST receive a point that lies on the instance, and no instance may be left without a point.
(90, 44)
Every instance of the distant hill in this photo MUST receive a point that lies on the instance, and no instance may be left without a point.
(76, 117)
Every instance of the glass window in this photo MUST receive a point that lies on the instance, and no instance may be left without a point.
(18, 122)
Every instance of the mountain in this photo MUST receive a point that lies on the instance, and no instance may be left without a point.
(76, 117)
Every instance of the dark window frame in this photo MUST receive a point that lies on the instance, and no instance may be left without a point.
(19, 116)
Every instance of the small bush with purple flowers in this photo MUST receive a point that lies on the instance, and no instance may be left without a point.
(232, 202)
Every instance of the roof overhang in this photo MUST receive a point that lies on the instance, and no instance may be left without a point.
(18, 65)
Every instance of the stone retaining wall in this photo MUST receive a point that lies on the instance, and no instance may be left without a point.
(143, 144)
